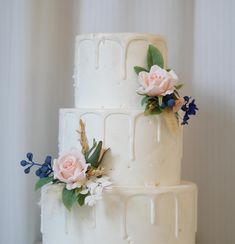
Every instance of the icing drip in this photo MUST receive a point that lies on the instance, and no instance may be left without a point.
(124, 44)
(125, 235)
(159, 129)
(94, 216)
(132, 138)
(66, 219)
(97, 51)
(103, 128)
(42, 213)
(133, 116)
(176, 216)
(152, 211)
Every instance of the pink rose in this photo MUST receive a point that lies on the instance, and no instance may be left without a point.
(158, 82)
(71, 168)
(178, 104)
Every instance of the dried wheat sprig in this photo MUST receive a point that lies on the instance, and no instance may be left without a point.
(83, 137)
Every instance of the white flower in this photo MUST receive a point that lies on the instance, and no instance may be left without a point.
(104, 182)
(92, 199)
(95, 189)
(91, 185)
(84, 191)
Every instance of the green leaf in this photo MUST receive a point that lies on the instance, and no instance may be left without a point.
(81, 199)
(176, 95)
(69, 198)
(177, 87)
(43, 181)
(139, 69)
(94, 158)
(160, 100)
(145, 100)
(154, 56)
(77, 191)
(88, 153)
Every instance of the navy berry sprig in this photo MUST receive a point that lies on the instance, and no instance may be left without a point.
(189, 108)
(44, 170)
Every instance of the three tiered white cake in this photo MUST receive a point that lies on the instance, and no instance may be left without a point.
(148, 203)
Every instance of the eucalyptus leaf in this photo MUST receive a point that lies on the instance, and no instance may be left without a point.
(154, 57)
(139, 69)
(43, 181)
(69, 197)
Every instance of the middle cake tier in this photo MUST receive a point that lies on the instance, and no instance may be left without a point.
(143, 151)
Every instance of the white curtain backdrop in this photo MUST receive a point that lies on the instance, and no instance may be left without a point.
(36, 67)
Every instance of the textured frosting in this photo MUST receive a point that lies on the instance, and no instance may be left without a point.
(167, 216)
(104, 75)
(144, 154)
(143, 150)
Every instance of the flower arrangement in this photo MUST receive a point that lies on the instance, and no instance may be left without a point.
(160, 89)
(79, 171)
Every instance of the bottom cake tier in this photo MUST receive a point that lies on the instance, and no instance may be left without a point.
(164, 215)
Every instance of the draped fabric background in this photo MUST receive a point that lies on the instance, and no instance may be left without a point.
(36, 67)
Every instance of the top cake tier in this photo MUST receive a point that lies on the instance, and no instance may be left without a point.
(104, 75)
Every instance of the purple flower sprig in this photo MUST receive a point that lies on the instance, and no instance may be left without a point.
(189, 108)
(44, 169)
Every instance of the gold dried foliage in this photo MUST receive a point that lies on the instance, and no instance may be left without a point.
(95, 172)
(83, 137)
(171, 121)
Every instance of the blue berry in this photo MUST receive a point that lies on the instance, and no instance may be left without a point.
(163, 105)
(27, 170)
(186, 99)
(38, 172)
(171, 103)
(29, 156)
(43, 175)
(168, 96)
(23, 163)
(48, 160)
(44, 168)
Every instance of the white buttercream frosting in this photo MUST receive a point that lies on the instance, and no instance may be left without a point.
(147, 203)
(135, 215)
(104, 68)
(143, 151)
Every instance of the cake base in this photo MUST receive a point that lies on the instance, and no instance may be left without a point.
(165, 215)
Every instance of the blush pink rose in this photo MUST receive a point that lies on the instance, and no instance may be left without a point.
(158, 82)
(71, 168)
(178, 104)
